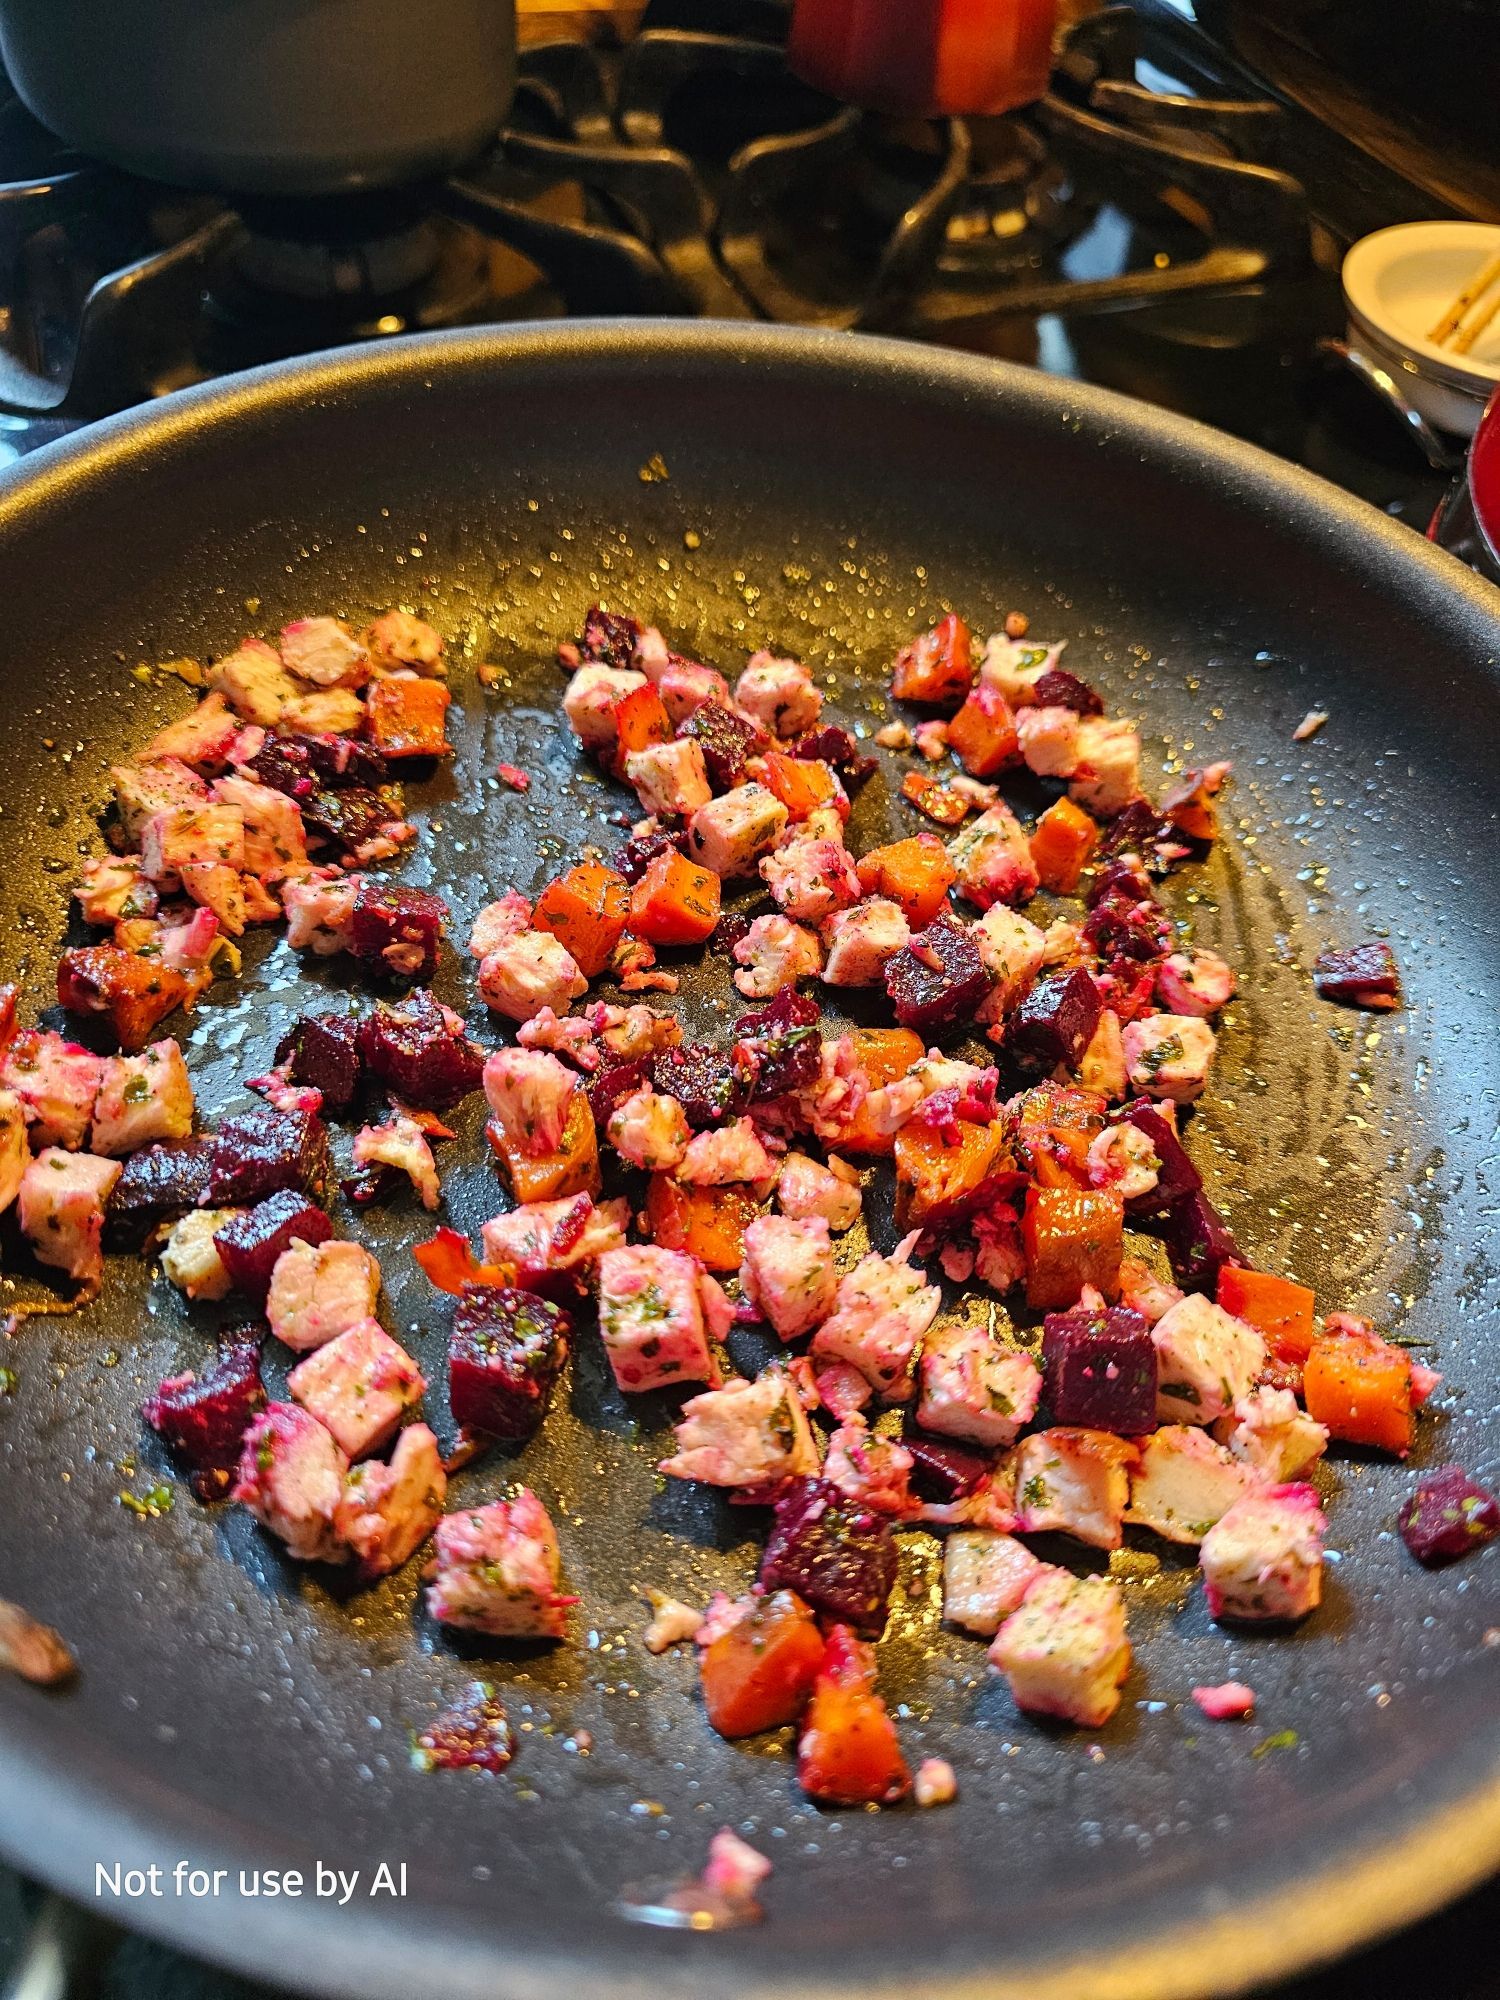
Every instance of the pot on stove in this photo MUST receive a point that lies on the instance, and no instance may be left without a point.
(273, 97)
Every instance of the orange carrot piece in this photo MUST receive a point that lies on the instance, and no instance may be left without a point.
(640, 721)
(408, 717)
(708, 1222)
(883, 1054)
(801, 783)
(1277, 1307)
(937, 668)
(675, 902)
(937, 1182)
(983, 733)
(914, 874)
(1062, 845)
(450, 1264)
(573, 1168)
(586, 910)
(1360, 1387)
(1074, 1237)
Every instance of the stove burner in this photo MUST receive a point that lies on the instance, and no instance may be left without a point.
(693, 174)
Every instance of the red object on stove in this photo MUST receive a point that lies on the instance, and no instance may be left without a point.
(926, 58)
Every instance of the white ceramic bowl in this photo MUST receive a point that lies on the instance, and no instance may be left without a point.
(1397, 285)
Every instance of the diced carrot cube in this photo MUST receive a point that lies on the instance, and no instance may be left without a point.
(883, 1054)
(983, 733)
(407, 717)
(586, 910)
(1073, 1237)
(1360, 1387)
(1062, 845)
(572, 1169)
(914, 874)
(708, 1222)
(759, 1673)
(1280, 1309)
(640, 720)
(937, 1182)
(937, 668)
(848, 1753)
(674, 902)
(801, 783)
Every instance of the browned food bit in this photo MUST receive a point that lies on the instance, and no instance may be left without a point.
(474, 1735)
(33, 1650)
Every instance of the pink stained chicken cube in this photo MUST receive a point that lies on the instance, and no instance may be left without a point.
(972, 1387)
(57, 1082)
(881, 1310)
(254, 682)
(1185, 1482)
(862, 941)
(359, 1386)
(530, 1094)
(324, 652)
(206, 737)
(992, 858)
(652, 1319)
(386, 1512)
(498, 1571)
(1206, 1359)
(320, 914)
(60, 1205)
(590, 700)
(745, 1434)
(275, 843)
(985, 1577)
(807, 1189)
(15, 1152)
(1263, 1560)
(669, 778)
(729, 835)
(779, 694)
(811, 879)
(181, 836)
(291, 1477)
(141, 1098)
(789, 1274)
(144, 789)
(555, 1244)
(773, 953)
(1075, 1482)
(528, 972)
(321, 1290)
(1064, 1650)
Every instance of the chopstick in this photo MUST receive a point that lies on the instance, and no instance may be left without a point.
(1451, 329)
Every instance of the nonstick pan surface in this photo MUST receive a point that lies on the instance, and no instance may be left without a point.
(825, 495)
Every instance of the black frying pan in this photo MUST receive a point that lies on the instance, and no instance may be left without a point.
(234, 1710)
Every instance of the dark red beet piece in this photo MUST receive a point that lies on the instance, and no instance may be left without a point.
(474, 1735)
(711, 1084)
(830, 744)
(506, 1353)
(1364, 976)
(728, 742)
(249, 1244)
(784, 1042)
(397, 931)
(322, 1053)
(942, 1473)
(727, 933)
(344, 760)
(258, 1152)
(1176, 1175)
(612, 1083)
(205, 1417)
(350, 818)
(1099, 1370)
(1448, 1514)
(283, 763)
(422, 1055)
(636, 856)
(838, 1557)
(1057, 688)
(937, 979)
(157, 1183)
(1123, 932)
(1137, 830)
(610, 636)
(1122, 879)
(1056, 1021)
(1198, 1242)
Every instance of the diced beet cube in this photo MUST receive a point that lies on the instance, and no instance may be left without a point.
(712, 1085)
(785, 1042)
(837, 1556)
(284, 764)
(728, 742)
(349, 818)
(322, 1052)
(1123, 878)
(1099, 1370)
(937, 979)
(1198, 1242)
(612, 1083)
(344, 760)
(1057, 688)
(727, 933)
(420, 1053)
(396, 930)
(1124, 931)
(1448, 1514)
(205, 1417)
(249, 1244)
(156, 1184)
(636, 856)
(943, 1472)
(1056, 1021)
(832, 745)
(1176, 1175)
(256, 1153)
(609, 636)
(1364, 976)
(1137, 830)
(504, 1358)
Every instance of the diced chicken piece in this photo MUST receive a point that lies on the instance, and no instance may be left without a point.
(1076, 1482)
(590, 700)
(649, 1131)
(822, 823)
(1109, 765)
(1015, 667)
(15, 1152)
(143, 790)
(729, 835)
(827, 1105)
(972, 1387)
(985, 1577)
(320, 1290)
(999, 1252)
(358, 1385)
(670, 777)
(1185, 1482)
(1012, 949)
(1122, 1157)
(788, 1273)
(190, 1257)
(275, 844)
(324, 712)
(874, 1470)
(733, 1152)
(931, 740)
(1049, 740)
(209, 836)
(882, 1309)
(400, 1143)
(57, 1082)
(806, 1189)
(773, 953)
(1269, 1431)
(1064, 1652)
(810, 879)
(1195, 982)
(745, 1434)
(207, 737)
(1168, 1055)
(1264, 1559)
(992, 860)
(628, 1032)
(498, 923)
(862, 941)
(254, 682)
(1102, 1064)
(1062, 943)
(1140, 1289)
(672, 1622)
(531, 1094)
(386, 1512)
(779, 694)
(652, 1320)
(684, 686)
(934, 1783)
(320, 915)
(547, 1238)
(498, 1571)
(530, 972)
(1206, 1359)
(114, 886)
(325, 652)
(291, 1477)
(398, 639)
(567, 1034)
(142, 1098)
(60, 1206)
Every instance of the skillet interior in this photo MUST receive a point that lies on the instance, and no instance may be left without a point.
(234, 1711)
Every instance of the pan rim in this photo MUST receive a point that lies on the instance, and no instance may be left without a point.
(1443, 1850)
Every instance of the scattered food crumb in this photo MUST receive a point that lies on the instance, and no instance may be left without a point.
(932, 740)
(514, 776)
(1017, 624)
(1284, 1739)
(893, 736)
(31, 1649)
(935, 1783)
(1310, 724)
(487, 673)
(734, 1867)
(1231, 1701)
(654, 470)
(673, 1621)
